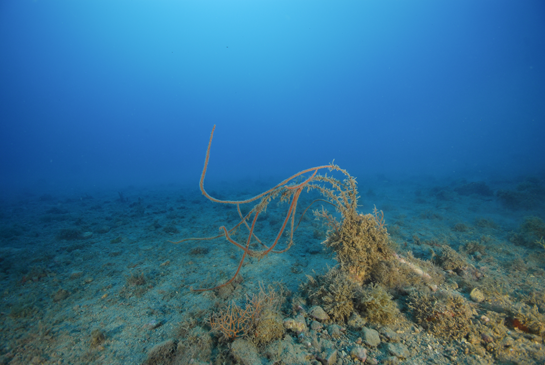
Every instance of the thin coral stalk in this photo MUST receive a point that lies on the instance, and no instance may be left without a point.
(284, 190)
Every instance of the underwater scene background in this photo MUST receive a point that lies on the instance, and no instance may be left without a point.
(272, 182)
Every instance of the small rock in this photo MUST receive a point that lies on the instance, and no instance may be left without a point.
(476, 295)
(316, 326)
(370, 337)
(86, 235)
(398, 350)
(335, 330)
(330, 358)
(37, 360)
(296, 324)
(359, 353)
(390, 360)
(318, 313)
(76, 274)
(507, 342)
(390, 335)
(61, 294)
(153, 324)
(432, 287)
(487, 338)
(97, 337)
(478, 350)
(226, 291)
(473, 339)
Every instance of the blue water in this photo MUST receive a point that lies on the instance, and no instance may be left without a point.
(115, 93)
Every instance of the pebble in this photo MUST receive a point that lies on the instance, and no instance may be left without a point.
(398, 350)
(476, 295)
(390, 360)
(153, 324)
(331, 357)
(335, 330)
(370, 337)
(507, 342)
(487, 338)
(432, 287)
(318, 313)
(389, 334)
(316, 326)
(61, 294)
(76, 274)
(359, 353)
(296, 324)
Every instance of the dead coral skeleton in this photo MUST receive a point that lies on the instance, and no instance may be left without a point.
(359, 240)
(342, 195)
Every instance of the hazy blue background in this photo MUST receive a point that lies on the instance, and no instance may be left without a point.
(114, 93)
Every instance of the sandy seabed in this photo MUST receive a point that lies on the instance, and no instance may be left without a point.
(91, 277)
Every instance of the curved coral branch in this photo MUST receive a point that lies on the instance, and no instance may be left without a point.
(338, 196)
